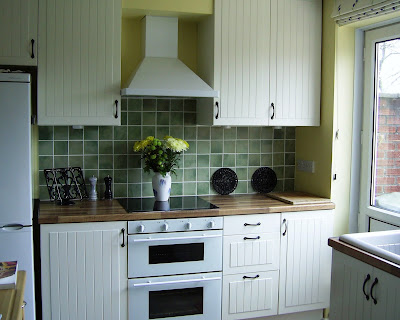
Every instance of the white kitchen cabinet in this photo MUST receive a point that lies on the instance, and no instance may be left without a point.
(79, 62)
(18, 32)
(355, 288)
(84, 270)
(305, 261)
(264, 56)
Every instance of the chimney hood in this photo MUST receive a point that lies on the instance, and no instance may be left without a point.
(161, 73)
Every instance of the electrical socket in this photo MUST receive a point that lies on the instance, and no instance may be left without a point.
(306, 165)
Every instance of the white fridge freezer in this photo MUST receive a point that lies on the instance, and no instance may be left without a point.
(16, 241)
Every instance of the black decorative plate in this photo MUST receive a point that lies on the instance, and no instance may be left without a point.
(224, 181)
(264, 180)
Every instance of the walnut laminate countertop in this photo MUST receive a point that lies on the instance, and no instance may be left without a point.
(111, 210)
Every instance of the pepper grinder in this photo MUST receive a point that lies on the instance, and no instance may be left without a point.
(108, 192)
(93, 192)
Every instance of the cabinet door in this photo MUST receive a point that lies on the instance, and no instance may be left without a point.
(84, 271)
(79, 62)
(18, 27)
(295, 62)
(242, 40)
(250, 295)
(305, 261)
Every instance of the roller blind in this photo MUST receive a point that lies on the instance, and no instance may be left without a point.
(348, 11)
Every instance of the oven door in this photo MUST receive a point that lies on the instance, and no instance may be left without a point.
(184, 297)
(173, 253)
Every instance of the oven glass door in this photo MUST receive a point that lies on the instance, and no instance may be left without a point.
(185, 297)
(174, 253)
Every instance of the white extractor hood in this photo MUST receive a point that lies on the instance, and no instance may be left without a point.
(161, 73)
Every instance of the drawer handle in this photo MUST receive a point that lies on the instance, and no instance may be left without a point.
(372, 288)
(365, 282)
(285, 223)
(255, 277)
(252, 224)
(256, 238)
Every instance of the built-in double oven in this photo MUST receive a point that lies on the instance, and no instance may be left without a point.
(175, 269)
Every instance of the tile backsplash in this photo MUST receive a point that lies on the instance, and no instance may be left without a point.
(102, 151)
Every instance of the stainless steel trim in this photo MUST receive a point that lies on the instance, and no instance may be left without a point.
(174, 238)
(147, 284)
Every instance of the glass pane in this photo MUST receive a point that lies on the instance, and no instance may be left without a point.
(385, 184)
(176, 253)
(175, 303)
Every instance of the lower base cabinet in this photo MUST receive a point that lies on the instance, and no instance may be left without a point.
(84, 271)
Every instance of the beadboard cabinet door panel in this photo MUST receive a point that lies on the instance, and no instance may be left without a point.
(18, 32)
(79, 62)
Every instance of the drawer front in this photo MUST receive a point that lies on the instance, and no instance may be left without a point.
(250, 295)
(251, 253)
(252, 223)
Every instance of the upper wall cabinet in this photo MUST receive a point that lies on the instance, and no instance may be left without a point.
(264, 56)
(79, 62)
(18, 32)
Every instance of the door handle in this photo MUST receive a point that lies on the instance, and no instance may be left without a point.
(372, 288)
(123, 237)
(116, 109)
(252, 224)
(285, 223)
(217, 107)
(273, 111)
(255, 277)
(256, 238)
(365, 282)
(12, 227)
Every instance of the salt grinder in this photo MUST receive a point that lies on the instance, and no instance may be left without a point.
(108, 192)
(93, 192)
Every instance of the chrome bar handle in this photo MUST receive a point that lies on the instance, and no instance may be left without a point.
(177, 238)
(149, 284)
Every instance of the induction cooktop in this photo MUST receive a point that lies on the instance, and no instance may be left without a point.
(175, 203)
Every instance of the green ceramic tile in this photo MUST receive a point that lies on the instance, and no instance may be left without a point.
(91, 147)
(189, 174)
(106, 162)
(45, 162)
(120, 162)
(189, 119)
(76, 161)
(120, 190)
(190, 133)
(289, 185)
(43, 193)
(230, 134)
(124, 118)
(203, 147)
(278, 146)
(163, 104)
(124, 104)
(278, 159)
(290, 145)
(216, 160)
(149, 104)
(229, 146)
(121, 176)
(134, 118)
(135, 104)
(189, 105)
(229, 160)
(176, 105)
(161, 132)
(147, 131)
(279, 133)
(203, 188)
(290, 159)
(203, 133)
(134, 133)
(280, 171)
(75, 134)
(266, 146)
(178, 177)
(91, 133)
(266, 159)
(242, 160)
(203, 161)
(242, 132)
(147, 190)
(106, 133)
(289, 172)
(267, 133)
(203, 174)
(61, 147)
(162, 118)
(192, 146)
(149, 118)
(241, 173)
(290, 133)
(147, 176)
(216, 146)
(120, 133)
(176, 132)
(189, 188)
(42, 178)
(45, 148)
(60, 133)
(255, 132)
(279, 186)
(242, 146)
(241, 187)
(176, 189)
(46, 133)
(120, 147)
(250, 172)
(189, 161)
(91, 162)
(254, 146)
(217, 133)
(134, 190)
(90, 173)
(135, 175)
(177, 118)
(254, 160)
(105, 147)
(102, 175)
(134, 162)
(60, 161)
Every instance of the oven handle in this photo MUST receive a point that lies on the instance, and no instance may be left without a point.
(148, 284)
(176, 238)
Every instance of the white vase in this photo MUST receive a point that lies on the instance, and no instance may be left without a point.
(161, 186)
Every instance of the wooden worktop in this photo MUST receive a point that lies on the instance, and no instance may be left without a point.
(365, 256)
(111, 210)
(11, 300)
